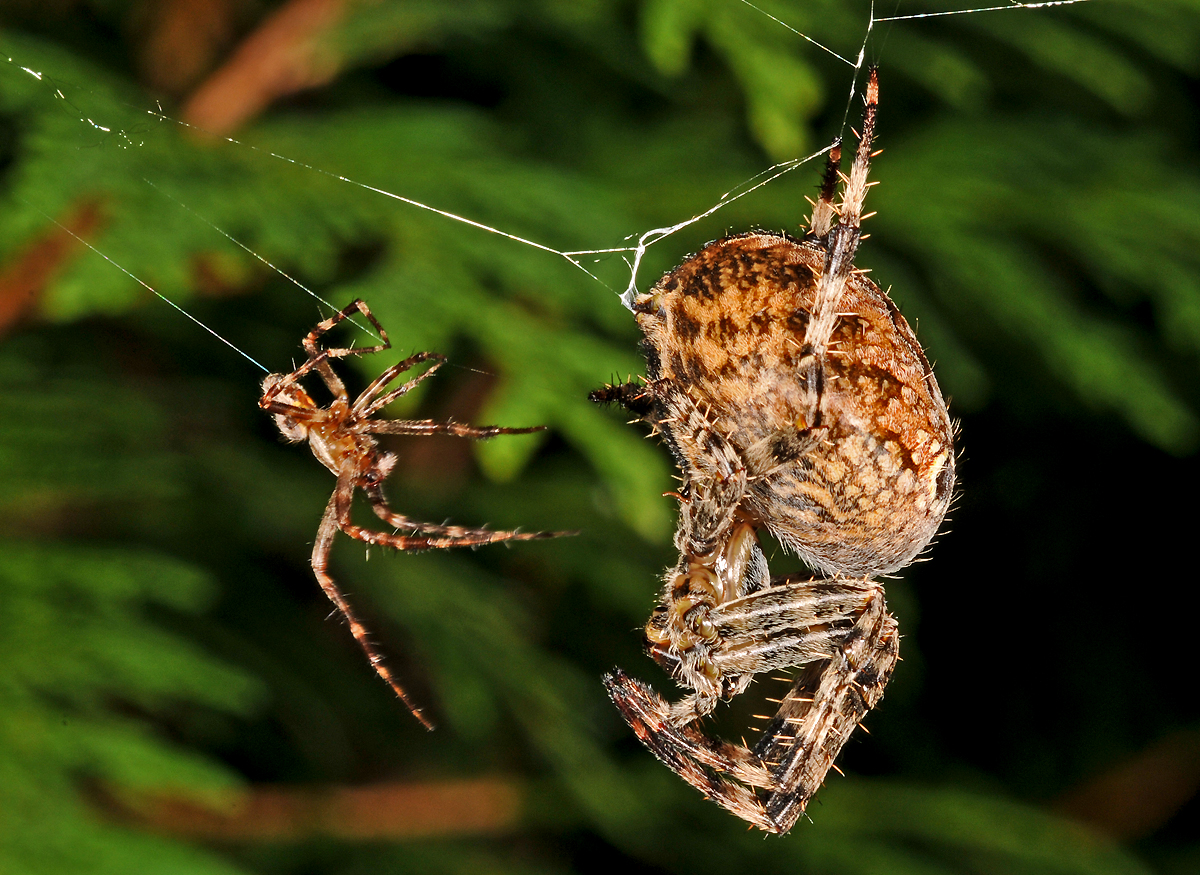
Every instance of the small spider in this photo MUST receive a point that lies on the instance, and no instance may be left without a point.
(341, 437)
(796, 399)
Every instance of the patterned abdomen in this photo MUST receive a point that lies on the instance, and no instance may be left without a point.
(848, 454)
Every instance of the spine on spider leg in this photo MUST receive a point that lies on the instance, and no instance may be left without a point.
(843, 238)
(856, 185)
(700, 761)
(320, 567)
(823, 709)
(634, 397)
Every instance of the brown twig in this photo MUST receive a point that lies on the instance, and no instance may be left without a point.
(1138, 796)
(24, 278)
(183, 39)
(380, 812)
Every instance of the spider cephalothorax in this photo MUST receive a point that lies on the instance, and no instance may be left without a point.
(342, 437)
(795, 398)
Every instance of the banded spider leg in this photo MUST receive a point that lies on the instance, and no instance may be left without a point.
(341, 436)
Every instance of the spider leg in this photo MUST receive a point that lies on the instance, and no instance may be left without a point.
(689, 753)
(712, 492)
(425, 427)
(815, 720)
(384, 511)
(788, 624)
(281, 408)
(278, 384)
(823, 209)
(318, 358)
(634, 397)
(364, 407)
(782, 626)
(368, 405)
(356, 306)
(844, 236)
(320, 566)
(708, 512)
(785, 625)
(840, 630)
(433, 540)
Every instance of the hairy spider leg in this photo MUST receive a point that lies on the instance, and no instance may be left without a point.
(689, 753)
(326, 533)
(823, 209)
(358, 305)
(789, 623)
(274, 384)
(840, 243)
(435, 539)
(458, 536)
(844, 236)
(319, 358)
(337, 517)
(367, 404)
(425, 427)
(848, 670)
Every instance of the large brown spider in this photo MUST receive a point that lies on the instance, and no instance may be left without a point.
(794, 398)
(340, 436)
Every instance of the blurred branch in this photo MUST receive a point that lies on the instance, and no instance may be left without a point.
(380, 812)
(24, 278)
(284, 55)
(183, 40)
(1140, 795)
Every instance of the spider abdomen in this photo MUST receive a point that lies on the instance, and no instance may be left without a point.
(848, 450)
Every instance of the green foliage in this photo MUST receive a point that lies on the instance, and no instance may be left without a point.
(86, 668)
(76, 641)
(1036, 219)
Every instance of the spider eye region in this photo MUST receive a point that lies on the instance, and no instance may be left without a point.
(848, 451)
